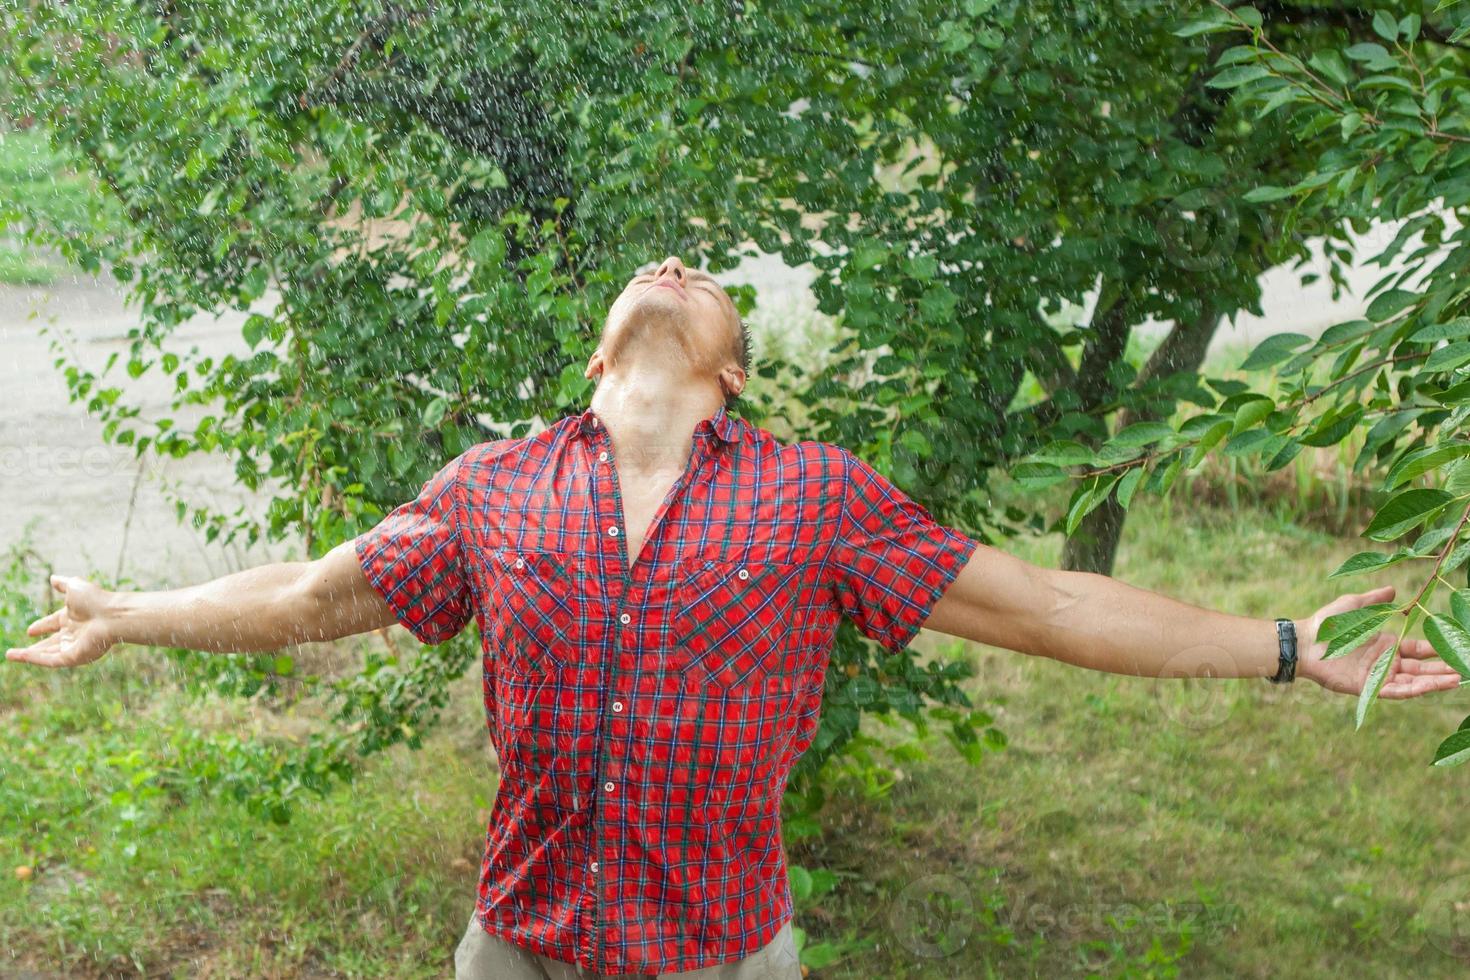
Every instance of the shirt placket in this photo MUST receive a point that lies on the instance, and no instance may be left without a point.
(626, 599)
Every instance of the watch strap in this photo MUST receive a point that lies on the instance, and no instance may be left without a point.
(1286, 644)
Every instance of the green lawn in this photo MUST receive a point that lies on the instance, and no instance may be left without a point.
(1133, 828)
(1247, 830)
(31, 175)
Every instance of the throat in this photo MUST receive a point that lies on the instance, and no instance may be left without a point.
(643, 500)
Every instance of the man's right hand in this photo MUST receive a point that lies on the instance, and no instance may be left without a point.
(257, 610)
(75, 634)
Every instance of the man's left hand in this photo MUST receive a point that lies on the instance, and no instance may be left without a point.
(1415, 669)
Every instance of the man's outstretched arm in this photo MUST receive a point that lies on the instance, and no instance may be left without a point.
(259, 609)
(1094, 621)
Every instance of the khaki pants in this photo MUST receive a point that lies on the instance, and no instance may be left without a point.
(482, 956)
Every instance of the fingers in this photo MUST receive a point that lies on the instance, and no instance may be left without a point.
(1418, 649)
(1426, 667)
(1357, 600)
(1402, 686)
(60, 583)
(47, 653)
(46, 624)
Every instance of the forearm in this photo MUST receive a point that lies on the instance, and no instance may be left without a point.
(258, 609)
(1100, 623)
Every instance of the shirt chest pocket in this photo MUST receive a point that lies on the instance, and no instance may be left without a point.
(734, 620)
(538, 602)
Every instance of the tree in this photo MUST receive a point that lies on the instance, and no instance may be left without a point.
(1389, 124)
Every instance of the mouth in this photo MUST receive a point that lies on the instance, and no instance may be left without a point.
(670, 284)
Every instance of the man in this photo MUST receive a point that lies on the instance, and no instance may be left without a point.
(657, 585)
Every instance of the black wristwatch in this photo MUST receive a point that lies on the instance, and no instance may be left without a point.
(1286, 640)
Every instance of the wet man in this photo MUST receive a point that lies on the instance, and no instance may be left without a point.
(657, 585)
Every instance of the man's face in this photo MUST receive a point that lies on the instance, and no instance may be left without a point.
(675, 313)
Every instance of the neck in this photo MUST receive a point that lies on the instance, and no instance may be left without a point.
(650, 414)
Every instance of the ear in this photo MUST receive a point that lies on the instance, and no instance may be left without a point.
(595, 364)
(732, 379)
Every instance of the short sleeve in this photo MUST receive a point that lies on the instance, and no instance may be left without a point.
(414, 557)
(891, 561)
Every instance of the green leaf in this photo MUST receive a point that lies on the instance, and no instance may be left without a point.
(1330, 63)
(1249, 14)
(1421, 461)
(1240, 75)
(1142, 433)
(1405, 511)
(1345, 630)
(1449, 641)
(868, 253)
(1387, 304)
(1209, 441)
(1208, 26)
(1253, 441)
(211, 200)
(1385, 26)
(1266, 193)
(254, 328)
(1086, 499)
(1274, 348)
(1453, 750)
(1450, 330)
(488, 247)
(1374, 684)
(1376, 56)
(1064, 452)
(801, 883)
(1037, 475)
(1127, 485)
(1460, 605)
(1457, 478)
(1251, 412)
(1448, 357)
(434, 412)
(1366, 561)
(1333, 427)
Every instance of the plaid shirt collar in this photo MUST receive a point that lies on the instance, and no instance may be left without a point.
(722, 425)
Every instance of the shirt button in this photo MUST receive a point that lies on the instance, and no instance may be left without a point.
(602, 456)
(608, 786)
(613, 530)
(625, 619)
(617, 706)
(520, 563)
(594, 867)
(743, 575)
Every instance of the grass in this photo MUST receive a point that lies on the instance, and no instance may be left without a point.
(1244, 831)
(31, 174)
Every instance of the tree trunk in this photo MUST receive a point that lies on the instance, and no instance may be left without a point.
(1094, 545)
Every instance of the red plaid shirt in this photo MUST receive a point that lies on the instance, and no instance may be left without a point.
(646, 719)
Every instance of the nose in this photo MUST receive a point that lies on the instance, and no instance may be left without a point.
(670, 266)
